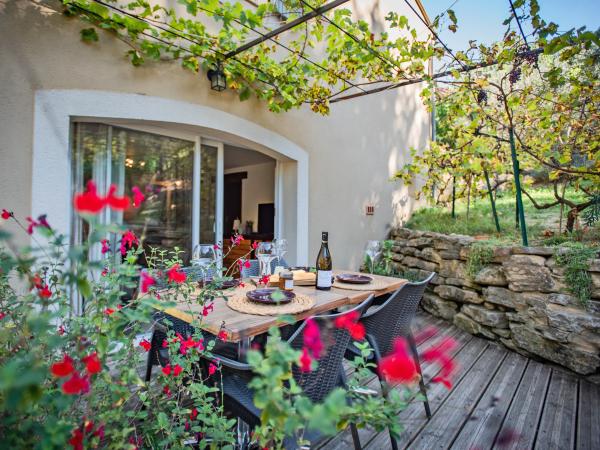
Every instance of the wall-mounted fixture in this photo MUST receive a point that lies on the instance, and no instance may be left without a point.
(218, 81)
(369, 210)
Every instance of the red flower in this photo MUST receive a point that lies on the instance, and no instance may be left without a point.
(254, 245)
(222, 335)
(2, 315)
(312, 338)
(189, 343)
(177, 369)
(128, 240)
(194, 414)
(211, 369)
(105, 246)
(145, 344)
(44, 292)
(76, 440)
(76, 385)
(305, 361)
(441, 354)
(399, 366)
(104, 272)
(264, 280)
(237, 239)
(175, 275)
(138, 197)
(109, 311)
(42, 222)
(61, 330)
(7, 214)
(92, 363)
(167, 369)
(62, 368)
(89, 201)
(216, 247)
(36, 280)
(350, 323)
(118, 203)
(167, 390)
(206, 309)
(147, 281)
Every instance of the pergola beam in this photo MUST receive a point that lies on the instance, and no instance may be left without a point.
(288, 26)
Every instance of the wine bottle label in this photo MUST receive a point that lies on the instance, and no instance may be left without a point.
(289, 285)
(324, 278)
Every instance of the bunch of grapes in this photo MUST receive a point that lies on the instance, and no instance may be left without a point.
(482, 96)
(514, 75)
(531, 58)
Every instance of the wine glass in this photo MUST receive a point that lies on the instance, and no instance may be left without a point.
(280, 249)
(203, 257)
(373, 250)
(265, 252)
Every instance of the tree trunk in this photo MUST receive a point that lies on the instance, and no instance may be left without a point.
(571, 218)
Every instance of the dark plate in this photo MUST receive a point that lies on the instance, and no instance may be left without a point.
(264, 296)
(353, 278)
(224, 284)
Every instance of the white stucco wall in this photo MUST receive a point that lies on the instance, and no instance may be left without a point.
(352, 152)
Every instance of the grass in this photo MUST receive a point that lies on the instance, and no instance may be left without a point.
(480, 221)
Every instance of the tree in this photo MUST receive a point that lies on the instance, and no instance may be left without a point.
(534, 110)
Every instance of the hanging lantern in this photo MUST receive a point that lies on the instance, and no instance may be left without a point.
(218, 81)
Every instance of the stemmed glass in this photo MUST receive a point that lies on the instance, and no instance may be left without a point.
(373, 250)
(203, 257)
(265, 252)
(280, 249)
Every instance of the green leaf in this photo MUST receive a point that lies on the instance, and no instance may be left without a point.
(89, 35)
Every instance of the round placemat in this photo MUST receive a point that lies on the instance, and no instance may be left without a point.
(239, 302)
(374, 285)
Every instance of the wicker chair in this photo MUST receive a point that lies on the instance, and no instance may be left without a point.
(389, 321)
(194, 273)
(316, 385)
(254, 269)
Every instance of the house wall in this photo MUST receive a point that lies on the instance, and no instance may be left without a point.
(258, 188)
(352, 152)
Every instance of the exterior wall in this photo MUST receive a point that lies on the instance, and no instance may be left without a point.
(258, 188)
(519, 299)
(352, 152)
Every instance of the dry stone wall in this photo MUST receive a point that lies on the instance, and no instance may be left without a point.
(519, 299)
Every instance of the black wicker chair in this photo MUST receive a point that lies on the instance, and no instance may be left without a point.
(316, 385)
(389, 321)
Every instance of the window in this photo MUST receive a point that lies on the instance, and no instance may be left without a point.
(163, 168)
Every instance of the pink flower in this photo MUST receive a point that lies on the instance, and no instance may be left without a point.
(2, 315)
(104, 272)
(63, 368)
(147, 281)
(7, 214)
(216, 247)
(305, 361)
(115, 202)
(254, 245)
(175, 275)
(61, 330)
(89, 201)
(76, 385)
(138, 196)
(399, 366)
(42, 222)
(32, 225)
(105, 246)
(237, 239)
(312, 338)
(92, 363)
(145, 344)
(128, 240)
(211, 369)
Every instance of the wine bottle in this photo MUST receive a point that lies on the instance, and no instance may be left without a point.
(324, 264)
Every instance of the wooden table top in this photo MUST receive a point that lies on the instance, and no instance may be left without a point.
(240, 325)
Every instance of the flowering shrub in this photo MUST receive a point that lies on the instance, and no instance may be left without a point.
(72, 380)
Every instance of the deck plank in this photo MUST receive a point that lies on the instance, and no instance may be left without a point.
(344, 440)
(413, 417)
(558, 424)
(484, 423)
(588, 418)
(440, 431)
(523, 416)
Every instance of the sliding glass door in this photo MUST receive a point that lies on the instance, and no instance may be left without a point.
(178, 177)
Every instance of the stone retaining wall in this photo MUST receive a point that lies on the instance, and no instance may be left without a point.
(519, 299)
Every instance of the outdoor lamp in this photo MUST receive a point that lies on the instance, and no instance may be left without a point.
(218, 82)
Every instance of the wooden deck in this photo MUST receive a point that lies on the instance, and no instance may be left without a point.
(500, 399)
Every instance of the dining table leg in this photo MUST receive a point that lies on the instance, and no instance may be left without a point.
(243, 429)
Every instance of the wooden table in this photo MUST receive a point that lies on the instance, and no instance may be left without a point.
(243, 327)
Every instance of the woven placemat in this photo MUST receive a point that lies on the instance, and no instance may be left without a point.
(239, 302)
(374, 285)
